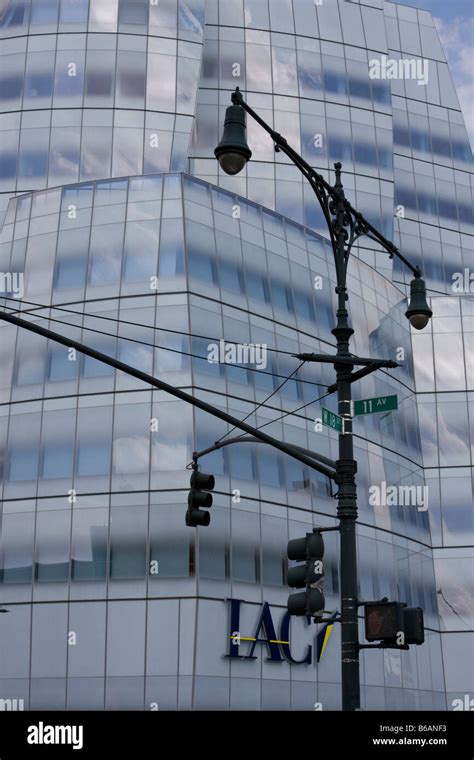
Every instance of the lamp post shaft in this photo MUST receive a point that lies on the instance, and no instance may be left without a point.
(346, 467)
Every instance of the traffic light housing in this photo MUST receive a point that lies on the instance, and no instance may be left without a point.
(414, 625)
(309, 550)
(199, 499)
(393, 623)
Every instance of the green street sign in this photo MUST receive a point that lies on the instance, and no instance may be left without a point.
(332, 420)
(373, 405)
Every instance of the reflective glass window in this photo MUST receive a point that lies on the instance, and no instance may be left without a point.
(23, 447)
(96, 152)
(130, 92)
(71, 260)
(99, 79)
(106, 253)
(93, 456)
(133, 12)
(16, 548)
(89, 544)
(170, 545)
(39, 79)
(73, 11)
(53, 531)
(171, 261)
(44, 12)
(128, 542)
(284, 71)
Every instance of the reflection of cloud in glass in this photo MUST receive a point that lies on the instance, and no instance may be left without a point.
(453, 434)
(455, 595)
(131, 455)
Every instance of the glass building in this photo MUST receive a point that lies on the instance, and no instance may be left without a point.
(120, 230)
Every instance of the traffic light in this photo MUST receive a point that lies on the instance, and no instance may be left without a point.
(310, 550)
(414, 625)
(201, 484)
(393, 623)
(383, 621)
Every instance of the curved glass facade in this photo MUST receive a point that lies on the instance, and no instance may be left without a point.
(115, 603)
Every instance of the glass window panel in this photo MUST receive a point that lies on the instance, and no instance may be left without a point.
(106, 344)
(141, 250)
(449, 364)
(11, 80)
(128, 152)
(33, 159)
(30, 359)
(39, 80)
(103, 16)
(87, 657)
(71, 260)
(284, 71)
(131, 439)
(171, 545)
(16, 16)
(49, 640)
(256, 14)
(161, 82)
(44, 12)
(281, 16)
(455, 592)
(69, 78)
(191, 18)
(89, 544)
(456, 500)
(170, 357)
(53, 530)
(96, 152)
(8, 159)
(242, 461)
(270, 468)
(106, 253)
(100, 75)
(163, 18)
(23, 447)
(309, 74)
(274, 541)
(171, 261)
(201, 249)
(57, 443)
(125, 638)
(130, 88)
(64, 155)
(188, 74)
(258, 68)
(334, 76)
(128, 542)
(16, 547)
(94, 427)
(245, 546)
(133, 12)
(171, 445)
(74, 11)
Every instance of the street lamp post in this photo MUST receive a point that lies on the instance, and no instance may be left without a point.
(345, 226)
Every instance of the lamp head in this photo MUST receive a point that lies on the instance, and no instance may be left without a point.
(418, 312)
(233, 151)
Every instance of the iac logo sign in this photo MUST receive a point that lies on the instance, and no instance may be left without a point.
(242, 646)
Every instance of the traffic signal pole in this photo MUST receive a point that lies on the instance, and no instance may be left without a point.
(346, 468)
